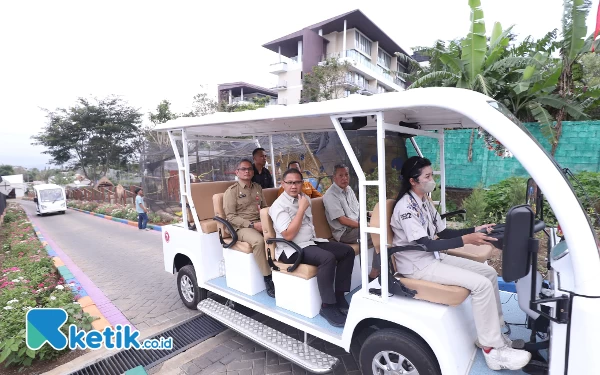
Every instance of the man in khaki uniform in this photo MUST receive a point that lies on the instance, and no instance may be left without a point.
(242, 203)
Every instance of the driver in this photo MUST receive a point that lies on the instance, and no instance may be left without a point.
(416, 222)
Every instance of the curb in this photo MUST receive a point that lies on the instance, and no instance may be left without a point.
(85, 301)
(157, 228)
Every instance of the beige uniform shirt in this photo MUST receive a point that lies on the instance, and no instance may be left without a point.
(414, 219)
(242, 204)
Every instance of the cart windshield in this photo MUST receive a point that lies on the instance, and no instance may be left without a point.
(51, 195)
(508, 114)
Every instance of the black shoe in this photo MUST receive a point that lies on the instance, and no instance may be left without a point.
(342, 305)
(270, 288)
(333, 316)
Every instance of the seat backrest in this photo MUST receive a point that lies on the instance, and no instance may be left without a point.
(375, 223)
(202, 194)
(322, 228)
(268, 230)
(270, 195)
(220, 212)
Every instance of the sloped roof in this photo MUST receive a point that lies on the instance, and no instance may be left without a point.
(354, 19)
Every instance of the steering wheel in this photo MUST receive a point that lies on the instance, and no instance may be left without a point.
(498, 230)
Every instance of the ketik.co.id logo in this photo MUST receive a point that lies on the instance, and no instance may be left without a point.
(43, 325)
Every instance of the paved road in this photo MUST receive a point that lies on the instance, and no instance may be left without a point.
(126, 264)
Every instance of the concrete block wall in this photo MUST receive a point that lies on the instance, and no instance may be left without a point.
(578, 150)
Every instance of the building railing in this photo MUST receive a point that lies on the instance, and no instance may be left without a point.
(364, 62)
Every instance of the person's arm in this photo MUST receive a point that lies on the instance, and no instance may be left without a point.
(263, 201)
(314, 192)
(452, 233)
(473, 238)
(344, 220)
(230, 208)
(296, 223)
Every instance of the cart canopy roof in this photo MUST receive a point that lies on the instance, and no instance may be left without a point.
(432, 108)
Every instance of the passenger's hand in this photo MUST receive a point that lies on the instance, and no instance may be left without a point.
(477, 239)
(302, 202)
(258, 226)
(487, 227)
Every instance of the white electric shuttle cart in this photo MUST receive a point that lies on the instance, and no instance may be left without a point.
(49, 198)
(415, 327)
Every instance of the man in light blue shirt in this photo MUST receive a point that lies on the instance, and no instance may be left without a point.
(141, 209)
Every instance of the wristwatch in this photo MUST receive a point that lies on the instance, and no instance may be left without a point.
(251, 225)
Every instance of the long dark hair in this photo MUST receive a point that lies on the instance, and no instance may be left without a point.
(411, 168)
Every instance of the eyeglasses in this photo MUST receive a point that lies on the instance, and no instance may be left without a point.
(297, 183)
(245, 169)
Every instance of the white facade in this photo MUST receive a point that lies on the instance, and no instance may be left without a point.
(16, 181)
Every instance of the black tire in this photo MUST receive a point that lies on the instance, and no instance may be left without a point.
(403, 343)
(188, 274)
(63, 212)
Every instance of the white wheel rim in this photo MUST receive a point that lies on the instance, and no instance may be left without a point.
(392, 363)
(187, 288)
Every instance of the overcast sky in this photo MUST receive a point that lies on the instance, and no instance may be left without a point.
(55, 51)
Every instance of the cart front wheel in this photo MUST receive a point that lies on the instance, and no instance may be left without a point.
(188, 288)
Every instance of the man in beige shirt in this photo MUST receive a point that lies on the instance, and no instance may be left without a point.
(242, 202)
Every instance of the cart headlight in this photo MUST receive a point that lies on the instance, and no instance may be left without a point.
(63, 204)
(44, 207)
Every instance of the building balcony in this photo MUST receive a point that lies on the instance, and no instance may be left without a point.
(280, 67)
(361, 64)
(280, 86)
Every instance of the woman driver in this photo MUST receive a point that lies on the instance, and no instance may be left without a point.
(415, 221)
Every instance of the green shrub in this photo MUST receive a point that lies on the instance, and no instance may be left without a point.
(502, 196)
(476, 206)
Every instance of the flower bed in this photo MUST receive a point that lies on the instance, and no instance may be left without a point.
(28, 279)
(115, 210)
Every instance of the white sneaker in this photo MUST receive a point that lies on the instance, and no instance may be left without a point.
(515, 344)
(506, 358)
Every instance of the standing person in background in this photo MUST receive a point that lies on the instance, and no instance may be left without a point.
(307, 187)
(262, 176)
(141, 209)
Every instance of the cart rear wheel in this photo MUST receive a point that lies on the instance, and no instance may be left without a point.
(188, 288)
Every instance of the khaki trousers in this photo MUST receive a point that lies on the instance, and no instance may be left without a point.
(257, 241)
(482, 281)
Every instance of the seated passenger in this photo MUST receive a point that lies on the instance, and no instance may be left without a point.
(341, 209)
(416, 222)
(307, 187)
(242, 203)
(292, 220)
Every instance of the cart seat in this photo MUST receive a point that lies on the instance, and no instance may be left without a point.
(438, 293)
(322, 228)
(303, 271)
(244, 247)
(477, 253)
(201, 193)
(270, 195)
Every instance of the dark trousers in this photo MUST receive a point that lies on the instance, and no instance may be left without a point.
(333, 260)
(142, 220)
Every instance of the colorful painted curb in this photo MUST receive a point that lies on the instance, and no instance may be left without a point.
(85, 301)
(123, 221)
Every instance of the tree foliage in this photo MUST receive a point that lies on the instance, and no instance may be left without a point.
(326, 81)
(6, 170)
(93, 135)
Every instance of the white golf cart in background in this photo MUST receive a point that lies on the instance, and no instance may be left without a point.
(49, 198)
(416, 326)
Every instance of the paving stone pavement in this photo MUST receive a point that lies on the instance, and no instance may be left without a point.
(241, 356)
(126, 264)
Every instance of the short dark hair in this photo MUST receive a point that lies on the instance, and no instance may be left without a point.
(291, 171)
(244, 160)
(339, 166)
(137, 190)
(292, 162)
(256, 150)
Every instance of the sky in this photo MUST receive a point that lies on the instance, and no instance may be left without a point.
(53, 52)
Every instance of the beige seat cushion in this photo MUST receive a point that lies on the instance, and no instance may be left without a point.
(427, 291)
(473, 252)
(303, 271)
(244, 247)
(320, 223)
(270, 195)
(202, 193)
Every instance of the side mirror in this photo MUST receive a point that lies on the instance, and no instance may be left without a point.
(518, 233)
(35, 200)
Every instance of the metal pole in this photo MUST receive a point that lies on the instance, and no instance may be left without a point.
(272, 159)
(382, 206)
(442, 172)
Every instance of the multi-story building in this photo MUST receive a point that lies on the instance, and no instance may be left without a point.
(244, 93)
(350, 37)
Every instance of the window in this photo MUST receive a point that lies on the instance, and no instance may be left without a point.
(384, 59)
(381, 89)
(347, 93)
(400, 67)
(362, 43)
